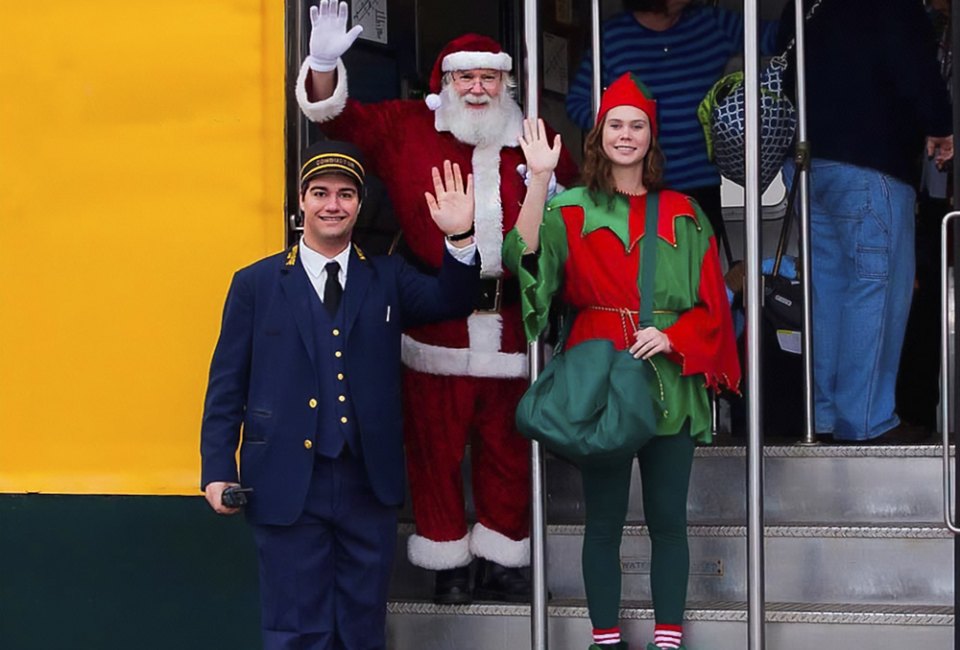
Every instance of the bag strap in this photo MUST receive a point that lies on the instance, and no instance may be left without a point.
(782, 57)
(788, 218)
(720, 229)
(648, 258)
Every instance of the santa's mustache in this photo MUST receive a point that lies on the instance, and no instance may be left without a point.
(477, 118)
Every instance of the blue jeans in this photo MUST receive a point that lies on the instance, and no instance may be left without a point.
(862, 233)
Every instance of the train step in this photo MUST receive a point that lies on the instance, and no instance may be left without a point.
(825, 563)
(856, 556)
(720, 625)
(849, 485)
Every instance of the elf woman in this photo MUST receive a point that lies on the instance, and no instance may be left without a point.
(584, 250)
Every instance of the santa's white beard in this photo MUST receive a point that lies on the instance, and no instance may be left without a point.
(478, 126)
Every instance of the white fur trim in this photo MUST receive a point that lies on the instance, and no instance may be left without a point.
(476, 61)
(433, 101)
(488, 214)
(514, 126)
(485, 331)
(428, 554)
(325, 109)
(489, 544)
(462, 362)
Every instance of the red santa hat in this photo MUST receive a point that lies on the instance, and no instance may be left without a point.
(628, 90)
(467, 52)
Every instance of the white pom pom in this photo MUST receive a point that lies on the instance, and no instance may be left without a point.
(433, 101)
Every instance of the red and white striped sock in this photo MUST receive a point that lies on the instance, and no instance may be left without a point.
(610, 636)
(667, 636)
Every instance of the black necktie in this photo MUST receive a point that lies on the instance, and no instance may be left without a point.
(332, 289)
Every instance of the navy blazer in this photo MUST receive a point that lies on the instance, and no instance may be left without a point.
(263, 374)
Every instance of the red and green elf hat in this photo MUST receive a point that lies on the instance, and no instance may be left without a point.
(627, 90)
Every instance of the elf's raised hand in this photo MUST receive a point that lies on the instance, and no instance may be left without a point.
(542, 156)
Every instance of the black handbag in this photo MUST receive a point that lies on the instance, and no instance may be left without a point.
(594, 404)
(783, 297)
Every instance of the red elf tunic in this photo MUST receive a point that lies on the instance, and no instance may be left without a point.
(589, 258)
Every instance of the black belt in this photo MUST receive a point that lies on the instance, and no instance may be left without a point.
(495, 293)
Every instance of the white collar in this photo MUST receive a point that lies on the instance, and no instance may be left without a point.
(315, 263)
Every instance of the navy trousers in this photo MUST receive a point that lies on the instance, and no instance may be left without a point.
(324, 579)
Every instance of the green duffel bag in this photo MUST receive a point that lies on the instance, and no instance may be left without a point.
(592, 404)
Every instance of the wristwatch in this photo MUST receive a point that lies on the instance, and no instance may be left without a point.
(463, 235)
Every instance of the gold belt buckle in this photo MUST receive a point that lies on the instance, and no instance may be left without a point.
(497, 299)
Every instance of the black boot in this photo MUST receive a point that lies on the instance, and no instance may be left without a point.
(453, 586)
(497, 582)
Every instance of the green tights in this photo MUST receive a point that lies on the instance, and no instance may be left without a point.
(665, 464)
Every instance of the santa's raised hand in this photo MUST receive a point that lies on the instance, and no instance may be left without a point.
(329, 37)
(451, 205)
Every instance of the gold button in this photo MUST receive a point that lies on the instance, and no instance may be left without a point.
(338, 354)
(344, 419)
(308, 444)
(340, 376)
(336, 332)
(342, 398)
(313, 403)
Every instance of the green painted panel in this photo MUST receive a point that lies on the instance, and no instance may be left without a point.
(123, 572)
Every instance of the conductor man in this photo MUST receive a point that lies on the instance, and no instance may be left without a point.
(305, 378)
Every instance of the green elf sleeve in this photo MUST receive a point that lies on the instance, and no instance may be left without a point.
(702, 336)
(539, 281)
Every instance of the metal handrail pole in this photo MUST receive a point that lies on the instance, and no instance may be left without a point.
(945, 372)
(752, 197)
(295, 43)
(538, 528)
(714, 414)
(531, 42)
(806, 265)
(595, 53)
(947, 424)
(538, 525)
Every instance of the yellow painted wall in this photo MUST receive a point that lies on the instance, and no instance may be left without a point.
(141, 163)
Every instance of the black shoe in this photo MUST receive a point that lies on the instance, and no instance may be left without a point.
(497, 582)
(906, 433)
(902, 434)
(453, 587)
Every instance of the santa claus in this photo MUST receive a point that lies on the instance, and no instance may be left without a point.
(463, 378)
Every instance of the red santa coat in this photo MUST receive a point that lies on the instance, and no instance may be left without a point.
(402, 142)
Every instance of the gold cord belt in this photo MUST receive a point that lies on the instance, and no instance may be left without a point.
(626, 316)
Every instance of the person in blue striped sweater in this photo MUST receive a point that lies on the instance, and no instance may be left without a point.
(679, 48)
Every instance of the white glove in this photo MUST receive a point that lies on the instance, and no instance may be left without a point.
(553, 188)
(329, 37)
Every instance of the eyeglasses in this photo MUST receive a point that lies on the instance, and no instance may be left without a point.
(464, 80)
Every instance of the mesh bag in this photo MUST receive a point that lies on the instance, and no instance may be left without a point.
(722, 114)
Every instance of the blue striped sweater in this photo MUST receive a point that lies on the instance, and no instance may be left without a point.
(679, 65)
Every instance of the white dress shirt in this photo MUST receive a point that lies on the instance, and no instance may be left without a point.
(315, 264)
